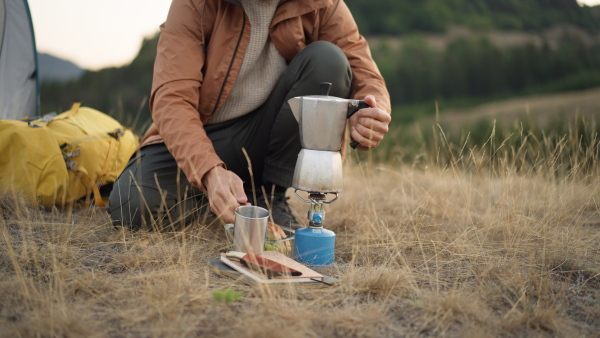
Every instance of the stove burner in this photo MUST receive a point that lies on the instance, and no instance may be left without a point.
(316, 214)
(316, 196)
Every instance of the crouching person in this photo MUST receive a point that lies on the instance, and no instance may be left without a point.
(223, 134)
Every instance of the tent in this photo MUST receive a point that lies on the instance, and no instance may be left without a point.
(19, 83)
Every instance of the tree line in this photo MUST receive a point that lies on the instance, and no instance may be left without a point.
(395, 17)
(474, 68)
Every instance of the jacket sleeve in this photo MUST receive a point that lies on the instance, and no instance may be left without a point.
(338, 26)
(175, 91)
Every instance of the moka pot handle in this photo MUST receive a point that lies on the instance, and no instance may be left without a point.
(353, 107)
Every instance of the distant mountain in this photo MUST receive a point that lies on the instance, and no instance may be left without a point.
(121, 92)
(53, 69)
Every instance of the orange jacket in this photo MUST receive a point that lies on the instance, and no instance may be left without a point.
(200, 52)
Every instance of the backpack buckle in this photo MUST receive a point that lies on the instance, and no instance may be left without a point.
(76, 152)
(117, 133)
(73, 165)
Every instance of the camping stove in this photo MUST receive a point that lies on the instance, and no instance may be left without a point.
(322, 122)
(315, 245)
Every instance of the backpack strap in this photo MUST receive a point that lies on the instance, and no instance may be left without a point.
(90, 185)
(113, 151)
(74, 109)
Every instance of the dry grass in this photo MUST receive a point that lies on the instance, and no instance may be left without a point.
(474, 245)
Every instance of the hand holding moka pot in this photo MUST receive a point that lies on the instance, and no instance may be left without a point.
(322, 122)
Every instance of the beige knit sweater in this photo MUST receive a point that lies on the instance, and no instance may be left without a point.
(261, 68)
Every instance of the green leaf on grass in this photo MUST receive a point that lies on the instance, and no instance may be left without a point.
(227, 295)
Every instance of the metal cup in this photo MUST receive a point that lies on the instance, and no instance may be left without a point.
(250, 229)
(270, 244)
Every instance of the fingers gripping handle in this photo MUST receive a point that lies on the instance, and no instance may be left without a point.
(353, 107)
(356, 105)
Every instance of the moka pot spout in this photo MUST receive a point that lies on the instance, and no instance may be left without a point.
(296, 106)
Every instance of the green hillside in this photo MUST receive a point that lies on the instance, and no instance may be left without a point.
(467, 69)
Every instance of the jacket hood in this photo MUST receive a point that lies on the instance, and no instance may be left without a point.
(295, 8)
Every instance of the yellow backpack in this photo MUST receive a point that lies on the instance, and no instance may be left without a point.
(61, 159)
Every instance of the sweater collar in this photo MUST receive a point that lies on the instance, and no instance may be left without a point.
(292, 8)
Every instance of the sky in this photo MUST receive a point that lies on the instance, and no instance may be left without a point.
(98, 34)
(95, 34)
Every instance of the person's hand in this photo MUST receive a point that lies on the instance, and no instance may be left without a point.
(369, 125)
(225, 192)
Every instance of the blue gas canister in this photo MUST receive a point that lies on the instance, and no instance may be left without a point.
(314, 247)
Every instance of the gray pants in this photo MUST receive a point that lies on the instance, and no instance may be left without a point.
(153, 192)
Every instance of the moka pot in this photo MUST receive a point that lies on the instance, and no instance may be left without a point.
(322, 122)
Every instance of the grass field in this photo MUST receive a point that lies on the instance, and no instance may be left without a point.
(498, 239)
(543, 110)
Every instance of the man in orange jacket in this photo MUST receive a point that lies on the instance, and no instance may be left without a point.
(223, 73)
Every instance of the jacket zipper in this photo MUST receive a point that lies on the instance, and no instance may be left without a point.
(235, 2)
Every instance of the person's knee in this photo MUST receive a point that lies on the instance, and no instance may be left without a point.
(329, 63)
(327, 54)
